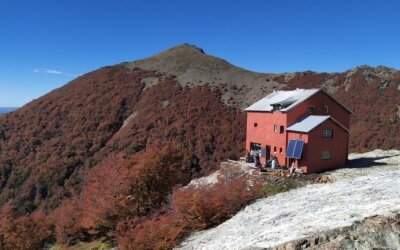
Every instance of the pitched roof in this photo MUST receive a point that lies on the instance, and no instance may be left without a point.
(287, 99)
(310, 122)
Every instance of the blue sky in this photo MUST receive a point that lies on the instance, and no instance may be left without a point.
(45, 44)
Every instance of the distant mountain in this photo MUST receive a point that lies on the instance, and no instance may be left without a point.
(181, 97)
(5, 110)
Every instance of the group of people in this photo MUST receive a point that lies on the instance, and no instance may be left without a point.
(271, 163)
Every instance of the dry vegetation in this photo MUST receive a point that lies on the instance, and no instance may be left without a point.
(70, 170)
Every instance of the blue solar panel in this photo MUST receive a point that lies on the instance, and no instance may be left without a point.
(298, 149)
(290, 148)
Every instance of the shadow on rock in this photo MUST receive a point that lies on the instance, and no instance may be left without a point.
(367, 162)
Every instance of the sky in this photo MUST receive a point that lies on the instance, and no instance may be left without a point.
(44, 44)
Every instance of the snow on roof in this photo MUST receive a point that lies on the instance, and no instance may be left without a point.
(308, 123)
(286, 99)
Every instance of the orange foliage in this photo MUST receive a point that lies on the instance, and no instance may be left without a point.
(29, 231)
(157, 232)
(192, 208)
(205, 206)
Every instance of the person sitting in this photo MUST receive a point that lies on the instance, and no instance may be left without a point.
(268, 163)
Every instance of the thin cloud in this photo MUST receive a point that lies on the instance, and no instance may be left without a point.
(48, 71)
(52, 72)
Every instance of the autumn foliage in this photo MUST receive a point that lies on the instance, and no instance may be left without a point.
(192, 208)
(24, 232)
(73, 167)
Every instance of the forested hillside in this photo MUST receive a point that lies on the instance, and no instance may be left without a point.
(109, 147)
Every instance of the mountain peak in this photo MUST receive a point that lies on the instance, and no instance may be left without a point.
(193, 67)
(185, 47)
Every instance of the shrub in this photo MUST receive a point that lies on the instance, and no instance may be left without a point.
(30, 231)
(158, 232)
(192, 208)
(205, 206)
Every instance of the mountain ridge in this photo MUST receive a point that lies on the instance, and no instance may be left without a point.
(4, 110)
(179, 97)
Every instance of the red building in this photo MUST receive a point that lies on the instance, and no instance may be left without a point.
(307, 128)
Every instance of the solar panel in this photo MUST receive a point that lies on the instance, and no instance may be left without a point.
(290, 148)
(298, 149)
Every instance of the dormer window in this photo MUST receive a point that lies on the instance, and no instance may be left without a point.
(276, 107)
(311, 109)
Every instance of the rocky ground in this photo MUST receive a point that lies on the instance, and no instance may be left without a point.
(322, 216)
(377, 232)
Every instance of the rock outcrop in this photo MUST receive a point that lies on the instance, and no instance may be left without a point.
(377, 232)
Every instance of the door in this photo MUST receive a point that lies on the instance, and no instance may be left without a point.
(267, 152)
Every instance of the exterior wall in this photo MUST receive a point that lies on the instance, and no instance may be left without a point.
(303, 163)
(319, 100)
(264, 132)
(311, 161)
(314, 143)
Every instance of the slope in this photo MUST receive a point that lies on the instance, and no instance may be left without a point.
(182, 97)
(272, 221)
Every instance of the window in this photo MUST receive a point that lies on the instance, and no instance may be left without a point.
(311, 109)
(255, 124)
(327, 133)
(255, 146)
(280, 150)
(275, 128)
(325, 109)
(276, 107)
(274, 149)
(281, 129)
(326, 155)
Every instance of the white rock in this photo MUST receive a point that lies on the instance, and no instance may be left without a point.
(357, 193)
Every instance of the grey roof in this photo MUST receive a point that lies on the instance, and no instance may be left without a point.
(307, 124)
(287, 100)
(311, 122)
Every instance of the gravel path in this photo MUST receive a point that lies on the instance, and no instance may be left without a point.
(371, 187)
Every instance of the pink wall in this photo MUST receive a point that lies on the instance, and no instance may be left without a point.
(264, 132)
(319, 100)
(311, 161)
(302, 136)
(314, 143)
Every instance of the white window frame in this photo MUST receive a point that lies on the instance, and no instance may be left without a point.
(327, 133)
